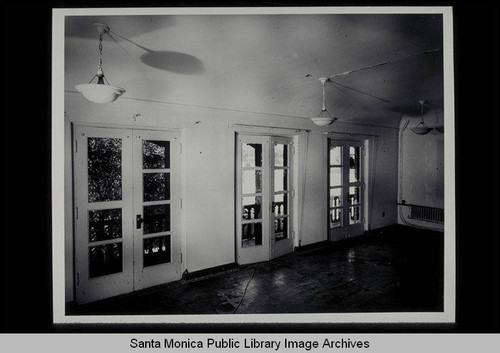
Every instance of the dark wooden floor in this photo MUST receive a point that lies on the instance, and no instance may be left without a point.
(397, 270)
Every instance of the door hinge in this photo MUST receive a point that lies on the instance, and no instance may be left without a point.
(76, 146)
(293, 234)
(180, 203)
(293, 192)
(76, 212)
(77, 279)
(181, 257)
(363, 220)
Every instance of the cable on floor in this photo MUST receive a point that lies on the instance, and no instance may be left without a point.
(245, 292)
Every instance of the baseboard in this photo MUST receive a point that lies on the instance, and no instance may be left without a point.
(311, 247)
(209, 272)
(391, 229)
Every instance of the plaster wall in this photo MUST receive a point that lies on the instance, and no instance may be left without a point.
(421, 176)
(208, 137)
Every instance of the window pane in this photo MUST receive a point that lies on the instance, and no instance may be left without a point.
(280, 204)
(335, 197)
(280, 228)
(104, 169)
(251, 234)
(336, 155)
(251, 181)
(251, 155)
(336, 218)
(354, 164)
(252, 207)
(156, 250)
(353, 197)
(105, 259)
(105, 224)
(336, 176)
(280, 180)
(155, 154)
(354, 215)
(156, 219)
(281, 155)
(156, 186)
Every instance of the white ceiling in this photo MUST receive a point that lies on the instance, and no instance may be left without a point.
(268, 63)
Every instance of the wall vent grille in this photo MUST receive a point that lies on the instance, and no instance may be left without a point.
(425, 213)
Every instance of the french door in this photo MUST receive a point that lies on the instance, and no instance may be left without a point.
(127, 210)
(264, 198)
(345, 189)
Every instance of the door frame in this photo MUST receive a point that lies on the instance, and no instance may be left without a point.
(266, 132)
(182, 186)
(364, 143)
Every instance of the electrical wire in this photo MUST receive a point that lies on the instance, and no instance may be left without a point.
(245, 292)
(385, 63)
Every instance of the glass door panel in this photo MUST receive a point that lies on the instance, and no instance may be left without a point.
(355, 191)
(281, 238)
(335, 197)
(103, 234)
(252, 196)
(157, 238)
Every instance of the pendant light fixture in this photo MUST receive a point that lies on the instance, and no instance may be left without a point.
(100, 92)
(421, 128)
(324, 118)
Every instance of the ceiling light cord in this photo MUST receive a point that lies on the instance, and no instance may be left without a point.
(422, 110)
(101, 78)
(323, 108)
(99, 67)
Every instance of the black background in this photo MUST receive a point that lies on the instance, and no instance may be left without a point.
(26, 277)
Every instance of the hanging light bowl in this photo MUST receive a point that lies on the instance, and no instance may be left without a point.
(100, 92)
(324, 118)
(421, 128)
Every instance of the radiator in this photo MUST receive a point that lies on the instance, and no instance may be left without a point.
(425, 213)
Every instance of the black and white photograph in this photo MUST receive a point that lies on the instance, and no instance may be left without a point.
(258, 177)
(256, 165)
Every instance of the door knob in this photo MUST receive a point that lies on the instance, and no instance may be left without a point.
(138, 221)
